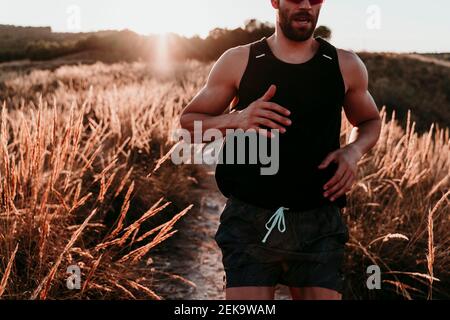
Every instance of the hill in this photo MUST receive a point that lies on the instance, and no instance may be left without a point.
(420, 82)
(403, 81)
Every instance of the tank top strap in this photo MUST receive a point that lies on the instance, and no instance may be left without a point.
(259, 49)
(326, 49)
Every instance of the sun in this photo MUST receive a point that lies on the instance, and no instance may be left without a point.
(162, 62)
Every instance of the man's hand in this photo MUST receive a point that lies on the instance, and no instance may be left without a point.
(264, 113)
(347, 159)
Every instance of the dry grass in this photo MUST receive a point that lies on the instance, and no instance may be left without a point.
(398, 214)
(79, 182)
(85, 179)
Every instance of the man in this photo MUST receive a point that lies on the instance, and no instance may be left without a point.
(297, 85)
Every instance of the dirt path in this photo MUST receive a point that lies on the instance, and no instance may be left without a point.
(193, 254)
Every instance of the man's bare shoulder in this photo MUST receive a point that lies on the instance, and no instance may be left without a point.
(233, 62)
(352, 67)
(350, 60)
(236, 55)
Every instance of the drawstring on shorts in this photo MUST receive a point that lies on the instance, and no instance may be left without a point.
(277, 217)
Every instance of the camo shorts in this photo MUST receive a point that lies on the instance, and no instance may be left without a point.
(262, 247)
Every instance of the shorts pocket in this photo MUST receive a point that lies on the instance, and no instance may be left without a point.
(235, 232)
(236, 209)
(322, 229)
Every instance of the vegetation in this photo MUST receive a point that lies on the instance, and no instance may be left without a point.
(84, 178)
(401, 82)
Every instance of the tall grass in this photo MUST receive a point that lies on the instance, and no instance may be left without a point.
(398, 214)
(79, 183)
(84, 181)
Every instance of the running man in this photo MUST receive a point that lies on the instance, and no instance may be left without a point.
(287, 228)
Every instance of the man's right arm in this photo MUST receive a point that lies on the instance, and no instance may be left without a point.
(220, 90)
(217, 94)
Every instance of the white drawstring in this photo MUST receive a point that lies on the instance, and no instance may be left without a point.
(277, 217)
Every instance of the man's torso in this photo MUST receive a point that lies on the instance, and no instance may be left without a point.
(314, 92)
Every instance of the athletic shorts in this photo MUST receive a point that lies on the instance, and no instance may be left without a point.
(262, 247)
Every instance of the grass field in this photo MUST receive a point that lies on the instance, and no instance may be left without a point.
(86, 179)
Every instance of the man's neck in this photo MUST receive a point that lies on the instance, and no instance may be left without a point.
(292, 51)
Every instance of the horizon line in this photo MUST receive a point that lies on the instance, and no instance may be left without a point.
(53, 30)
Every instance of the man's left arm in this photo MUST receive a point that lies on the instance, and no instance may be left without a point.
(362, 112)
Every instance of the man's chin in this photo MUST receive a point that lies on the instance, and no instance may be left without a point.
(302, 32)
(299, 36)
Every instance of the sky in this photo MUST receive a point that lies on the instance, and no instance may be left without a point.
(370, 25)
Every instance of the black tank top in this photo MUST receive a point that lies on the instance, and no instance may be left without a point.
(314, 93)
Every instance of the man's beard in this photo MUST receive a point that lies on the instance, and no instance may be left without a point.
(296, 34)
